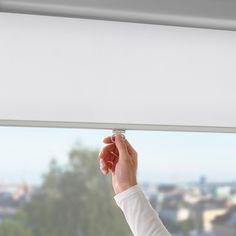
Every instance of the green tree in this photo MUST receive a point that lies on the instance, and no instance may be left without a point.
(75, 200)
(16, 226)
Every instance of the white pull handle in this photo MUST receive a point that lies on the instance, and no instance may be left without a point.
(118, 131)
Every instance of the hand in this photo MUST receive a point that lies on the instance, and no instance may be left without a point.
(119, 158)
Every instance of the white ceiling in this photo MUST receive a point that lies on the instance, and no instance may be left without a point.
(217, 14)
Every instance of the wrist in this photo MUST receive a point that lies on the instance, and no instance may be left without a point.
(123, 187)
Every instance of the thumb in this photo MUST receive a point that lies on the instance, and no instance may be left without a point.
(121, 146)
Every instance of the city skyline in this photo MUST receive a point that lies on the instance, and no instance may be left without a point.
(174, 157)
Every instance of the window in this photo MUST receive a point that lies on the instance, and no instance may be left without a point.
(50, 183)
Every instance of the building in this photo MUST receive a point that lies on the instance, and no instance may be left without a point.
(12, 196)
(175, 213)
(225, 225)
(205, 211)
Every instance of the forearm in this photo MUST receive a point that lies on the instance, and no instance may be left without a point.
(140, 215)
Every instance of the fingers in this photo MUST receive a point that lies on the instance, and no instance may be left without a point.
(121, 146)
(114, 150)
(108, 140)
(103, 167)
(131, 150)
(114, 164)
(106, 166)
(108, 158)
(106, 152)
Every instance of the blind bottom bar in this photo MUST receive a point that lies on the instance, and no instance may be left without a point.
(112, 126)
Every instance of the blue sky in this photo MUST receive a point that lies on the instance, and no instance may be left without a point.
(163, 156)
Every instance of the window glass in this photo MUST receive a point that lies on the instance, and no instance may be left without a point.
(51, 185)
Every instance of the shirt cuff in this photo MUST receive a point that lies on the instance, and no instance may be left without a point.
(127, 193)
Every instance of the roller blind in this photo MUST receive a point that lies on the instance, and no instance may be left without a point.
(88, 73)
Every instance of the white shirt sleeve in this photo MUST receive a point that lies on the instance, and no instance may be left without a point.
(141, 217)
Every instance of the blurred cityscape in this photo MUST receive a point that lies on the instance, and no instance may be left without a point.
(12, 197)
(195, 209)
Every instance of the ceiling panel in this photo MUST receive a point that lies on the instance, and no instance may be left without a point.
(216, 14)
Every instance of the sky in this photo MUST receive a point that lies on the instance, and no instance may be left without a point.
(164, 157)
